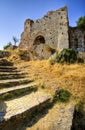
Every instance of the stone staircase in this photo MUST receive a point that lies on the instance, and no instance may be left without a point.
(19, 97)
(24, 107)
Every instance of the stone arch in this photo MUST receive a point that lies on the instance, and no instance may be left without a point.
(39, 40)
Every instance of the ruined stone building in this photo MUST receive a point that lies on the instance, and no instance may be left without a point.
(42, 36)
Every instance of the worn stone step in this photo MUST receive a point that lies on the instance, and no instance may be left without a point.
(5, 62)
(5, 77)
(16, 111)
(8, 67)
(9, 70)
(12, 73)
(14, 82)
(59, 117)
(15, 91)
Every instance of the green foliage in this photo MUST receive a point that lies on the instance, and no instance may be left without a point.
(8, 45)
(67, 56)
(81, 23)
(61, 96)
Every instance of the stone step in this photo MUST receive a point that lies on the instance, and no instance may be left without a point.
(14, 82)
(8, 67)
(5, 62)
(15, 91)
(12, 73)
(9, 70)
(16, 111)
(5, 77)
(59, 117)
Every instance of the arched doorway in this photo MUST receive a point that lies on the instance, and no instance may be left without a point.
(39, 47)
(39, 40)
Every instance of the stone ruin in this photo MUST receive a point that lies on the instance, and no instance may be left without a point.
(52, 32)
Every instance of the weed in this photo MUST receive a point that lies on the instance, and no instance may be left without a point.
(61, 96)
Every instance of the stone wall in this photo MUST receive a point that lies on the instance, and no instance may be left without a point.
(51, 31)
(77, 39)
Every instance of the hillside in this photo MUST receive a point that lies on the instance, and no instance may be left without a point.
(47, 80)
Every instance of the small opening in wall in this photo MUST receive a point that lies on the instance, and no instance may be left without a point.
(39, 40)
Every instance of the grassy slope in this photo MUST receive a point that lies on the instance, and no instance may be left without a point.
(70, 77)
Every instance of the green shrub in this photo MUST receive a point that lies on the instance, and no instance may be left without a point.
(7, 46)
(67, 55)
(61, 96)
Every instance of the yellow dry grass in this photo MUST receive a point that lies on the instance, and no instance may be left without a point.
(70, 77)
(52, 77)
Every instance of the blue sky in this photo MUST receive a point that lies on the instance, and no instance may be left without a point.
(13, 13)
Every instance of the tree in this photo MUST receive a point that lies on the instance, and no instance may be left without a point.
(7, 45)
(15, 40)
(81, 23)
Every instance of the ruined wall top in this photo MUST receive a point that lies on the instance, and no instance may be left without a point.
(51, 30)
(48, 14)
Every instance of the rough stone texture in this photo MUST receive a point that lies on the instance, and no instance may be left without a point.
(13, 112)
(13, 80)
(77, 39)
(16, 88)
(58, 118)
(51, 30)
(20, 105)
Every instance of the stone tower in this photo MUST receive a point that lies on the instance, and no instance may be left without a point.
(50, 31)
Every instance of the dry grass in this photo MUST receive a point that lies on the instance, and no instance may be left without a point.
(52, 77)
(70, 77)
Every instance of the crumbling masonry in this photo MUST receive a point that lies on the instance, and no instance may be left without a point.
(51, 32)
